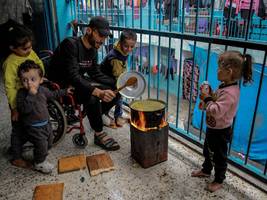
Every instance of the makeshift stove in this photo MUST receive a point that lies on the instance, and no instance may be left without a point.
(149, 132)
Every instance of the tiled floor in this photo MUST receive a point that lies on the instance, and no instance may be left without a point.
(167, 180)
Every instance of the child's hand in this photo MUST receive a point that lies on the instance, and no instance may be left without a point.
(14, 115)
(203, 96)
(70, 90)
(202, 104)
(205, 92)
(205, 88)
(33, 90)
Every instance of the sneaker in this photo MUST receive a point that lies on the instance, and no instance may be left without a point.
(44, 167)
(27, 154)
(120, 122)
(106, 120)
(125, 115)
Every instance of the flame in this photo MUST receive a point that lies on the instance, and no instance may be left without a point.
(140, 123)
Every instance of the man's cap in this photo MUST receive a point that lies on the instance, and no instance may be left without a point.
(101, 24)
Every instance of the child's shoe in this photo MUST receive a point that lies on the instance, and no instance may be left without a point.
(214, 186)
(125, 116)
(28, 154)
(199, 173)
(44, 167)
(105, 119)
(119, 121)
(21, 163)
(108, 122)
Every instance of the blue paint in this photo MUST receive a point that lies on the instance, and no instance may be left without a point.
(64, 17)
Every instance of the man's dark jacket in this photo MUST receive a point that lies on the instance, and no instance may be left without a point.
(74, 64)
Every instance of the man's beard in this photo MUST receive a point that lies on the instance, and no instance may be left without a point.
(91, 40)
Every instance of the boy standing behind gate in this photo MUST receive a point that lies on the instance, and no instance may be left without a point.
(115, 63)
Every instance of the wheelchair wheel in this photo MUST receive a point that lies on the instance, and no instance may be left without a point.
(58, 121)
(79, 140)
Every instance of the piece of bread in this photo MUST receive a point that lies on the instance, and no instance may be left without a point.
(99, 163)
(71, 163)
(49, 192)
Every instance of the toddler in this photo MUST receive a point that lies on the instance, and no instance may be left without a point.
(221, 108)
(32, 107)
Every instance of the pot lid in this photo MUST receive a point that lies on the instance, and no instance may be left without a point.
(135, 90)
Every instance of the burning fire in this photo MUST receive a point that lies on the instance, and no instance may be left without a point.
(140, 123)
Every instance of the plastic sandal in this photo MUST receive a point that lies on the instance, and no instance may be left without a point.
(106, 142)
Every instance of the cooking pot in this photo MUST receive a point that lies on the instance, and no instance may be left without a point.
(152, 110)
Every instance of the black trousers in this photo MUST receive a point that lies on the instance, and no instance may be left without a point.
(18, 139)
(41, 138)
(95, 108)
(215, 152)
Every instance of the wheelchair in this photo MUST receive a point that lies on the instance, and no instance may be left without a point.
(65, 114)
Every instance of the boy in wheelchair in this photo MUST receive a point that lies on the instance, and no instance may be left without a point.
(32, 107)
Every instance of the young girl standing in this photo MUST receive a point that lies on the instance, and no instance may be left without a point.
(221, 108)
(20, 44)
